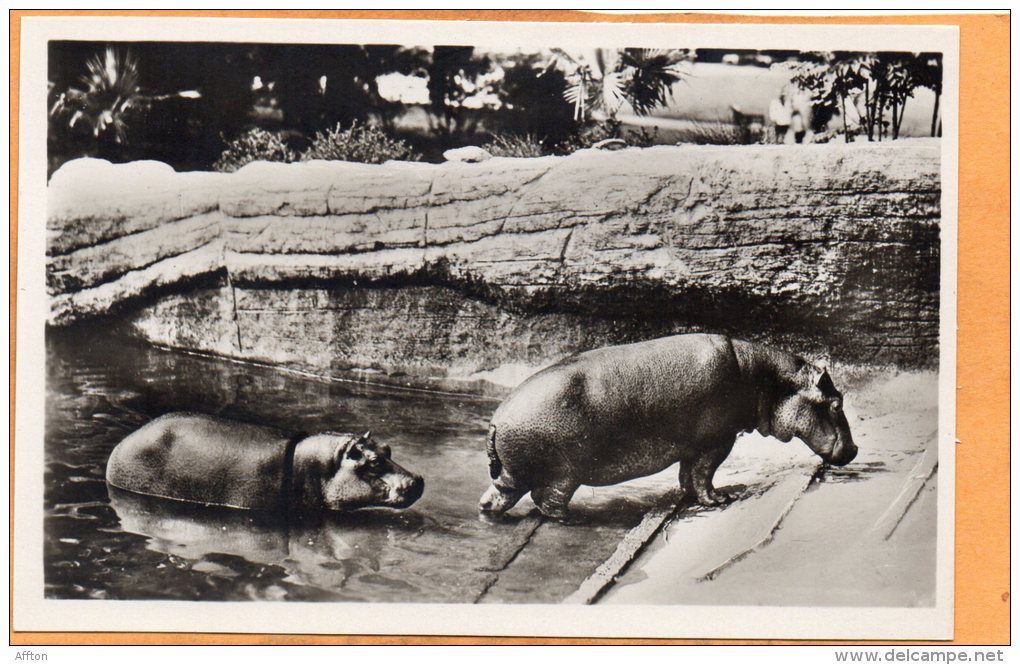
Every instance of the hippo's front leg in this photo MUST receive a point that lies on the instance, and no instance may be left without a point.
(686, 481)
(701, 473)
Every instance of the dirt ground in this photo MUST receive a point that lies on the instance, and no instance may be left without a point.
(862, 535)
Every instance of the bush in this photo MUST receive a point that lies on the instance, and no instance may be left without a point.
(255, 145)
(358, 143)
(515, 145)
(591, 133)
(720, 133)
(642, 137)
(588, 134)
(532, 98)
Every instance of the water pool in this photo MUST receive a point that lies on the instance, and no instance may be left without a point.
(108, 544)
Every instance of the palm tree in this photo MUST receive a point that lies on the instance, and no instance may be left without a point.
(927, 71)
(606, 79)
(109, 96)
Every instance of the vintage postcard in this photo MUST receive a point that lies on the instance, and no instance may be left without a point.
(389, 327)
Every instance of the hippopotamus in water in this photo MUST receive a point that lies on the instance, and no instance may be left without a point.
(214, 461)
(621, 412)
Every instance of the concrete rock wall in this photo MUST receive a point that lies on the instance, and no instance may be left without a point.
(433, 272)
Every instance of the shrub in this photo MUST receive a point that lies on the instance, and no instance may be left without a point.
(253, 146)
(588, 134)
(515, 145)
(358, 143)
(642, 137)
(591, 133)
(720, 133)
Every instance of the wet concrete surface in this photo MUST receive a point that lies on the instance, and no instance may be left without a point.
(862, 535)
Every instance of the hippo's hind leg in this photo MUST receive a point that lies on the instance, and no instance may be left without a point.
(505, 491)
(553, 499)
(500, 498)
(700, 473)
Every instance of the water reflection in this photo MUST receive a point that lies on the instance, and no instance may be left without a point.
(331, 552)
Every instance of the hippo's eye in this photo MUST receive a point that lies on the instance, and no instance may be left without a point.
(373, 464)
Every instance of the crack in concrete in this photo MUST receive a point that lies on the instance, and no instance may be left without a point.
(233, 297)
(658, 189)
(633, 543)
(429, 202)
(920, 474)
(517, 198)
(566, 245)
(329, 192)
(770, 536)
(502, 557)
(74, 282)
(912, 501)
(688, 205)
(105, 239)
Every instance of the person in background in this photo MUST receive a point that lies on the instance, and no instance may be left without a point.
(780, 116)
(801, 116)
(797, 127)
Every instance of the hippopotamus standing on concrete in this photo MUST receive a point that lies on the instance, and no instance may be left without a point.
(622, 412)
(213, 461)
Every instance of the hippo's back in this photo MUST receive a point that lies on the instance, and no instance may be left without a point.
(640, 378)
(202, 459)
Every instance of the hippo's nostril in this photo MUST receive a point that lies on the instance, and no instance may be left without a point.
(412, 491)
(417, 487)
(844, 456)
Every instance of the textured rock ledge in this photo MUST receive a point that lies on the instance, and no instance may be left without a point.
(439, 271)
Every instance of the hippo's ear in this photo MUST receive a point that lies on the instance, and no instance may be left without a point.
(808, 375)
(345, 446)
(810, 379)
(825, 384)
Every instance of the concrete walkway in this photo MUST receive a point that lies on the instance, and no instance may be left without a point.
(863, 535)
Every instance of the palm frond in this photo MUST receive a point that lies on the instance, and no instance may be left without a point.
(613, 92)
(652, 73)
(109, 94)
(609, 78)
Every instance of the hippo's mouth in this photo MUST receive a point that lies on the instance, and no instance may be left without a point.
(411, 493)
(842, 454)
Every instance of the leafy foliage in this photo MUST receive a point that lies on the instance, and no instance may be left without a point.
(532, 100)
(358, 143)
(515, 145)
(609, 78)
(454, 74)
(106, 103)
(927, 71)
(255, 145)
(651, 74)
(719, 133)
(880, 83)
(591, 133)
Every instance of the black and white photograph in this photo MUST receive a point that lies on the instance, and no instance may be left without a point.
(410, 327)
